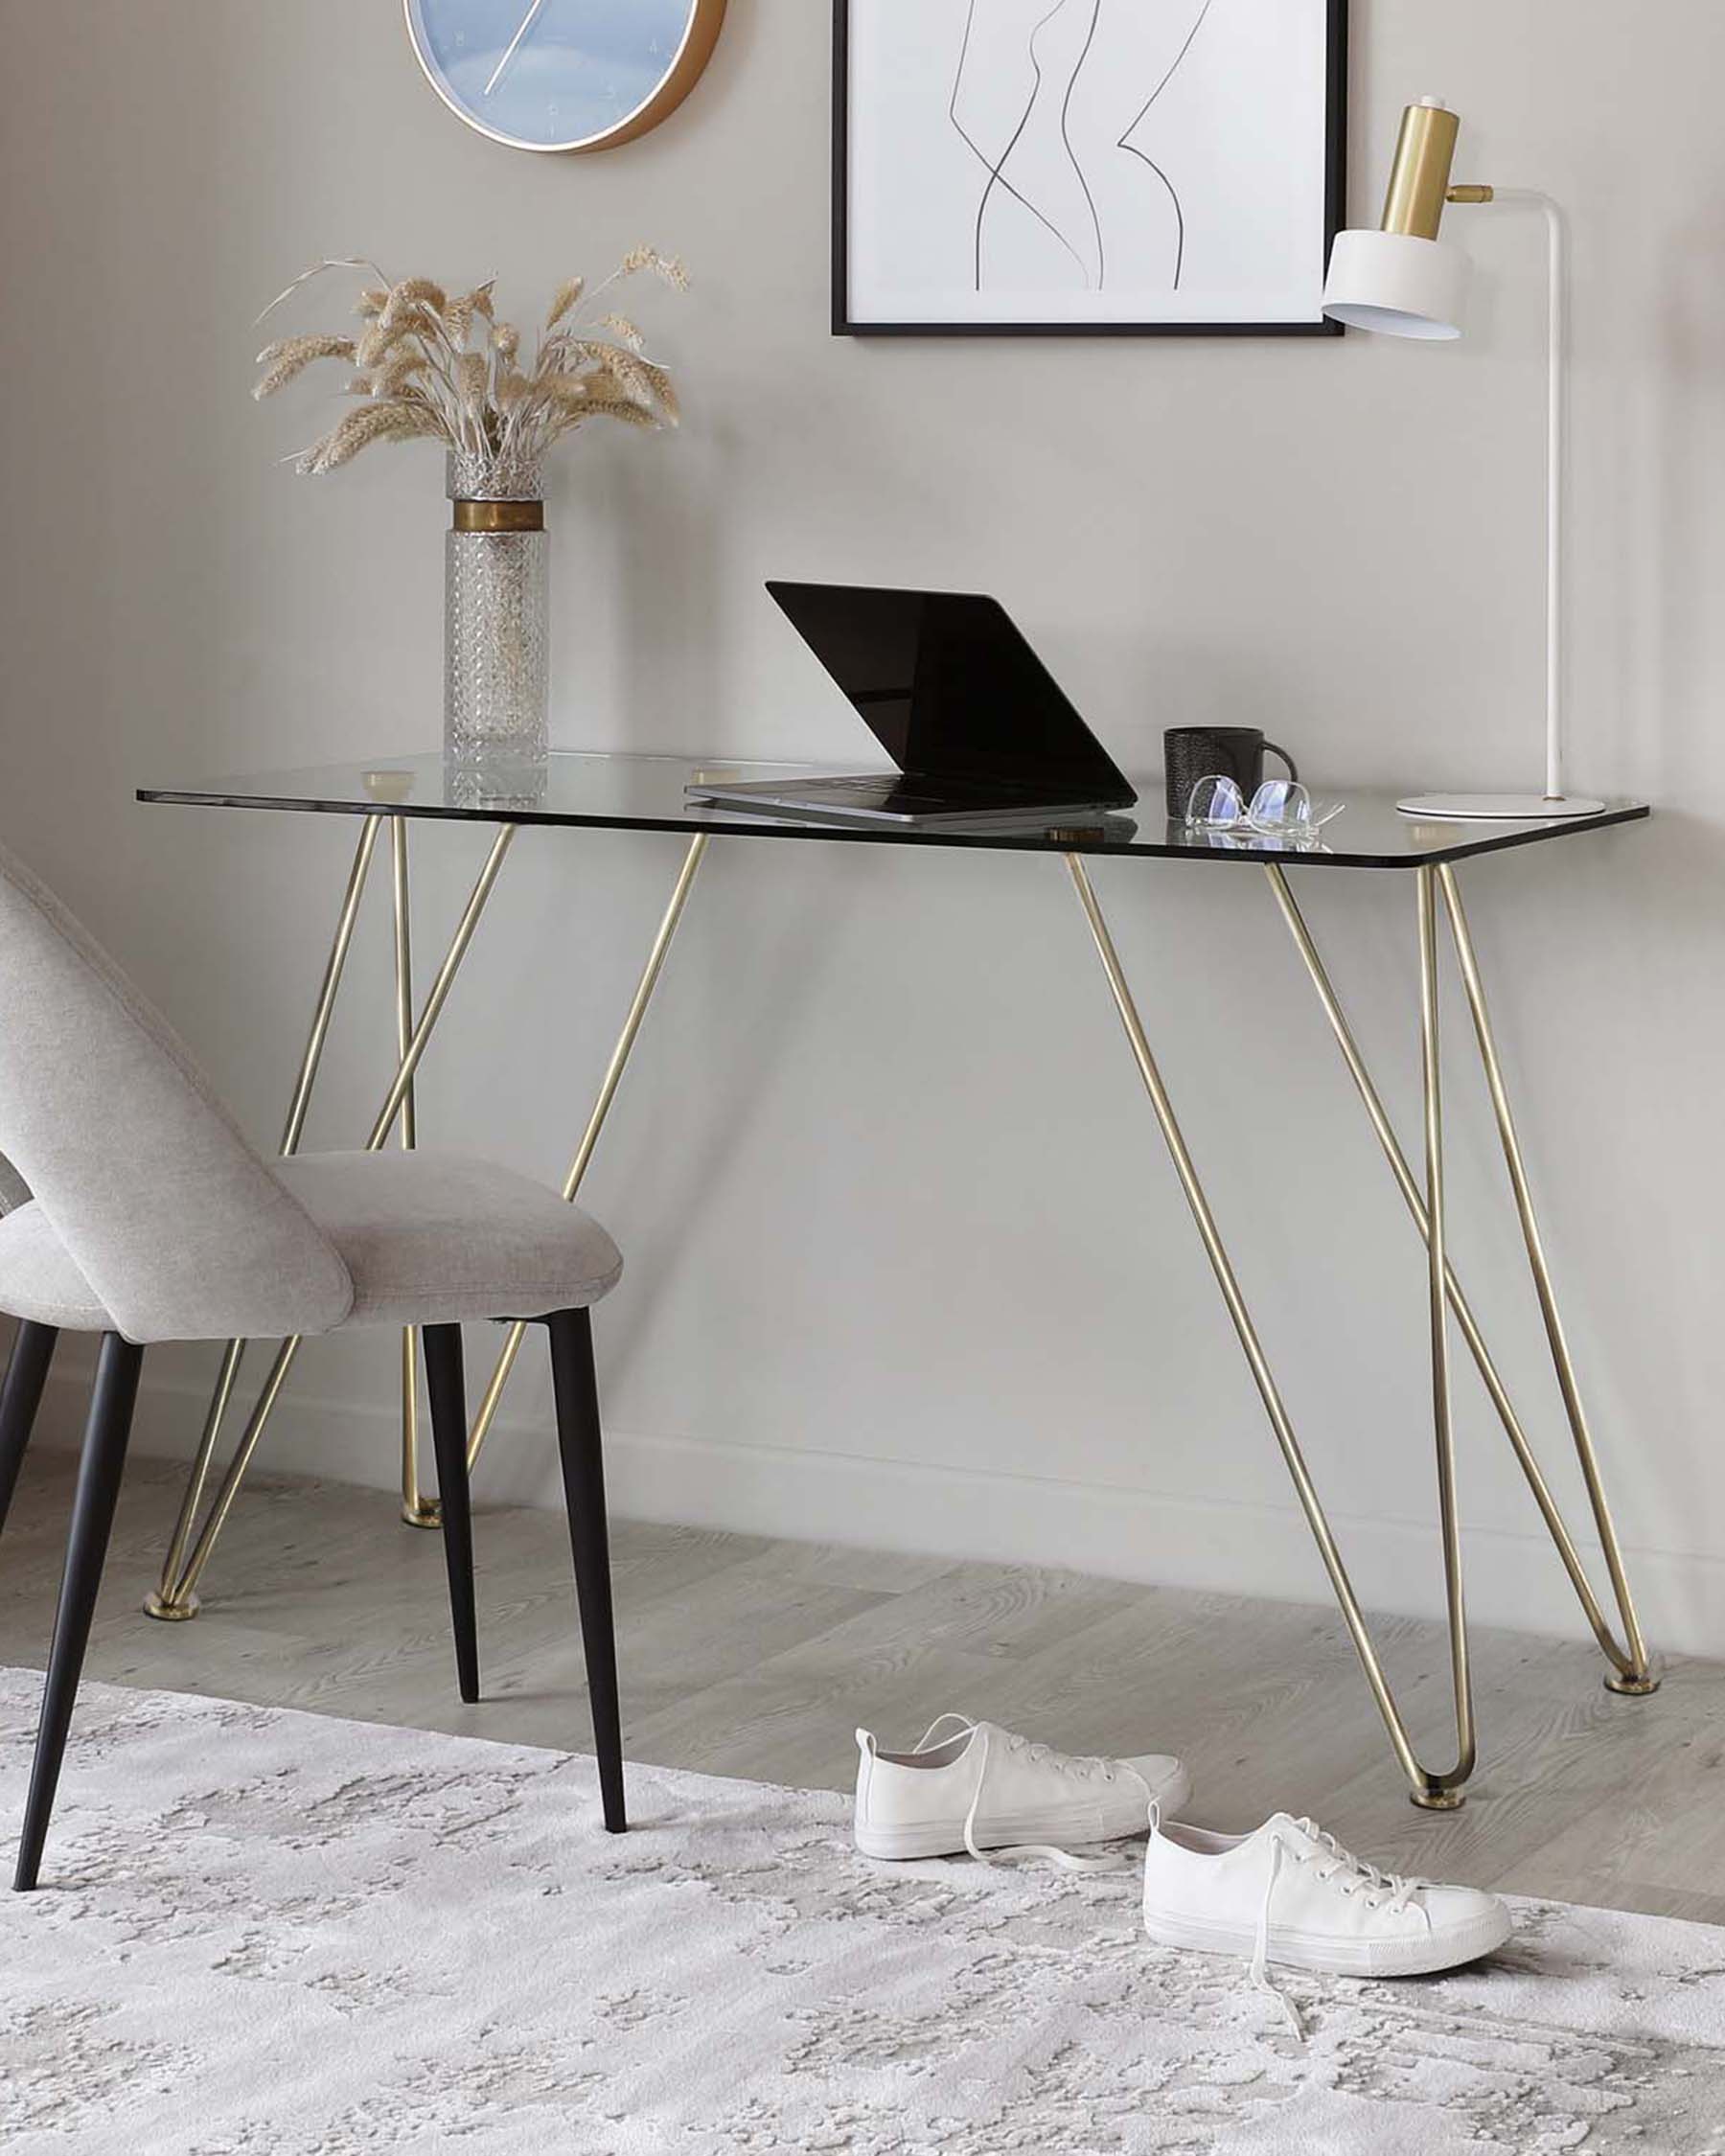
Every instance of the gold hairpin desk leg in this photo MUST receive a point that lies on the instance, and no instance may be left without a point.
(1630, 1670)
(187, 1579)
(417, 1509)
(1438, 1791)
(165, 1601)
(608, 1092)
(1639, 1677)
(1441, 1792)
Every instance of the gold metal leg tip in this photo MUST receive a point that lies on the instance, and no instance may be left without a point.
(1633, 1687)
(1437, 1799)
(157, 1605)
(427, 1514)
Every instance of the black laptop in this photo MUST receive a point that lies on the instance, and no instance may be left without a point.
(977, 727)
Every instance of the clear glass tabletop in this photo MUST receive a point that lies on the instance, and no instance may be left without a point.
(646, 793)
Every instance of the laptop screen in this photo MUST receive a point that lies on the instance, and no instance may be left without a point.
(950, 688)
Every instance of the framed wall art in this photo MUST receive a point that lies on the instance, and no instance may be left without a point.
(1087, 166)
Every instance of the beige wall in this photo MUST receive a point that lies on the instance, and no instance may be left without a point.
(906, 1261)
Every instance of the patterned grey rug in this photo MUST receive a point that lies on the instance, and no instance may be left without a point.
(266, 1933)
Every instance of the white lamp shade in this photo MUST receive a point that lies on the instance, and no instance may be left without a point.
(1398, 285)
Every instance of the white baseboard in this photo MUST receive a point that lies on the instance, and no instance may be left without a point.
(1514, 1579)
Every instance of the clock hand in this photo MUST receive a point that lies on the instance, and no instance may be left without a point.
(527, 22)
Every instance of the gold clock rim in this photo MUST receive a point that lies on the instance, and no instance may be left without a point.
(707, 18)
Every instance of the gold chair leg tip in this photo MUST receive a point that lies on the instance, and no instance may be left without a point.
(1633, 1687)
(168, 1611)
(427, 1514)
(1437, 1799)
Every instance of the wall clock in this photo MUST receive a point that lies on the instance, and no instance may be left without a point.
(564, 74)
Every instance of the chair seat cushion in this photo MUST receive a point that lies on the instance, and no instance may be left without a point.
(38, 1280)
(431, 1239)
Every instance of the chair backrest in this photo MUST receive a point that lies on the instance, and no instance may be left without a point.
(179, 1225)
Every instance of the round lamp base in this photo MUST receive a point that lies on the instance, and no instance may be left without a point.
(1498, 808)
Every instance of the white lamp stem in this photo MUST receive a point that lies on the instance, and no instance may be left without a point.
(1557, 342)
(1396, 279)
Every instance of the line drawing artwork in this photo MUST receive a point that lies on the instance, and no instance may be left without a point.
(1054, 100)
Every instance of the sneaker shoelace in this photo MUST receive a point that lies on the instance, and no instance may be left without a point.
(1076, 1766)
(1382, 1890)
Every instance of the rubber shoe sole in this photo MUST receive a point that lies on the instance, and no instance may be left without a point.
(1416, 1954)
(1078, 1827)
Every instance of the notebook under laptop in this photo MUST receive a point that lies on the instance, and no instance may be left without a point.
(977, 729)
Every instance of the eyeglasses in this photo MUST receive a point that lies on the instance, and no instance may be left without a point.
(1280, 809)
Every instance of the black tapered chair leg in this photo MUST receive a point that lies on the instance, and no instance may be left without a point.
(111, 1402)
(448, 1388)
(578, 1438)
(21, 1396)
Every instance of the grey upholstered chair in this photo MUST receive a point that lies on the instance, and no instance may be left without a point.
(145, 1216)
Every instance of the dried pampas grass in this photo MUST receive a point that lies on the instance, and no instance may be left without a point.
(399, 421)
(472, 383)
(562, 299)
(290, 357)
(666, 266)
(430, 367)
(458, 315)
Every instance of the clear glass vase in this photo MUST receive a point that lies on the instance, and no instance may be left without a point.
(496, 629)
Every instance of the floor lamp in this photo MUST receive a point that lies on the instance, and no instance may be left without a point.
(1403, 281)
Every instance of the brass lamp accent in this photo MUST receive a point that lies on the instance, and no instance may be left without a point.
(1419, 179)
(1420, 176)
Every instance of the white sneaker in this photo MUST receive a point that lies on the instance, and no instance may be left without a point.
(1290, 1892)
(979, 1788)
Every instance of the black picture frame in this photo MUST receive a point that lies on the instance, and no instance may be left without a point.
(1335, 193)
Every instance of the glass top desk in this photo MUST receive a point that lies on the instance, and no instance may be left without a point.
(646, 793)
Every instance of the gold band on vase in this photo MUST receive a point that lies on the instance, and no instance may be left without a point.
(499, 517)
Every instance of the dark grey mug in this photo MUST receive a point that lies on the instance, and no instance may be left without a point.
(1191, 754)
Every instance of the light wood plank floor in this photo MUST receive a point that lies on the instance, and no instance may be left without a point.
(745, 1656)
